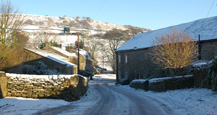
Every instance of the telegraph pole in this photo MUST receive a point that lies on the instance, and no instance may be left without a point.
(78, 55)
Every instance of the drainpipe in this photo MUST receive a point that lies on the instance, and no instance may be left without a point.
(199, 48)
(117, 74)
(78, 56)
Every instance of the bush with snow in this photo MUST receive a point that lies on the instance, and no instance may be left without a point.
(39, 68)
(124, 81)
(212, 75)
(200, 64)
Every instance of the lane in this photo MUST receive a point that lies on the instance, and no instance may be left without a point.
(142, 104)
(110, 103)
(106, 99)
(117, 101)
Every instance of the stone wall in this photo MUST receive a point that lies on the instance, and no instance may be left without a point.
(163, 84)
(208, 50)
(200, 78)
(171, 83)
(67, 87)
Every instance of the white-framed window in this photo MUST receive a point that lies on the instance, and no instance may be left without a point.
(125, 58)
(119, 58)
(119, 74)
(197, 51)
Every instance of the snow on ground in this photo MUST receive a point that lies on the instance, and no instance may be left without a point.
(27, 106)
(190, 101)
(104, 77)
(193, 101)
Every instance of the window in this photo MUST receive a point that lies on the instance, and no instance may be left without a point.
(197, 51)
(125, 58)
(119, 58)
(119, 75)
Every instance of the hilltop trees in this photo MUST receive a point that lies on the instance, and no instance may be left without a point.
(174, 51)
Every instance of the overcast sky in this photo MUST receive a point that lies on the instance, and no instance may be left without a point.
(152, 14)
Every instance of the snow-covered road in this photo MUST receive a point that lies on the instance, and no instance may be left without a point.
(109, 99)
(115, 100)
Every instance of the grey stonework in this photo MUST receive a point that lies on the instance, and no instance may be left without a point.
(139, 63)
(45, 86)
(135, 64)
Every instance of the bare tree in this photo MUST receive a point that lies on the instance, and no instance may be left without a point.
(44, 38)
(175, 51)
(10, 23)
(93, 45)
(11, 40)
(115, 38)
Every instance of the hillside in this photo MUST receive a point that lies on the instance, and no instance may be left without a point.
(73, 23)
(44, 29)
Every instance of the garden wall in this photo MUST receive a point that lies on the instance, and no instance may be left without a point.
(67, 87)
(163, 84)
(200, 78)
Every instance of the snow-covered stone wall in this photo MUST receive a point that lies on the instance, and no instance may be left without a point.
(163, 84)
(67, 87)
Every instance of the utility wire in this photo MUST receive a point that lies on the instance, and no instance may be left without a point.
(210, 8)
(100, 9)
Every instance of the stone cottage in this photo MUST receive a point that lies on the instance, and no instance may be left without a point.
(52, 60)
(133, 58)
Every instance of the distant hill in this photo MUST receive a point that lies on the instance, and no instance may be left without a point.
(74, 23)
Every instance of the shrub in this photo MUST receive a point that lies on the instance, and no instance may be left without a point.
(124, 81)
(86, 73)
(39, 68)
(212, 75)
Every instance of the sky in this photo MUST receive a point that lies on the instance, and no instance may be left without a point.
(151, 14)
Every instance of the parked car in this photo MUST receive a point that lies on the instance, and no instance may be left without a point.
(99, 70)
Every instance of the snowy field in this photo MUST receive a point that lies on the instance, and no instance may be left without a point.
(192, 101)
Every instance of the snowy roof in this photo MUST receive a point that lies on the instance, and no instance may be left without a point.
(64, 52)
(207, 28)
(85, 53)
(53, 56)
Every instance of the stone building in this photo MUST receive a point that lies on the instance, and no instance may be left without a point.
(133, 59)
(52, 60)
